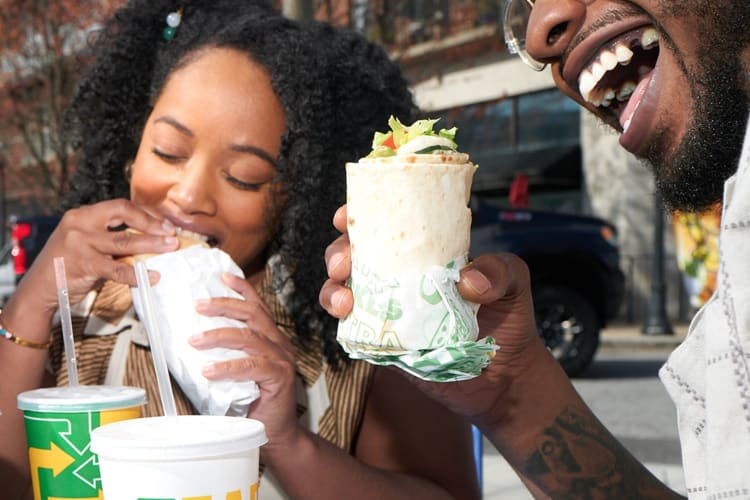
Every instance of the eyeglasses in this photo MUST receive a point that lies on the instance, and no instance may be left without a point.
(515, 22)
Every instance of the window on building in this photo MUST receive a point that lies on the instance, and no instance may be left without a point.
(536, 135)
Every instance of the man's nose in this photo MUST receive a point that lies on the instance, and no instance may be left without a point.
(552, 26)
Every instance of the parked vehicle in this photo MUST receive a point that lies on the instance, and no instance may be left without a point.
(576, 279)
(28, 236)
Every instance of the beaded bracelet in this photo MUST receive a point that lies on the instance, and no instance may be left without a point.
(23, 342)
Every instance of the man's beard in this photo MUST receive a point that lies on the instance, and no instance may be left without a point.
(691, 177)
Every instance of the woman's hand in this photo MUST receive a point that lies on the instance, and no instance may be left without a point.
(86, 240)
(500, 283)
(269, 361)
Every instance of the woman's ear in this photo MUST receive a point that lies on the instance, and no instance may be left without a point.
(128, 170)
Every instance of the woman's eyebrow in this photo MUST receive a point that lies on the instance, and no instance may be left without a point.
(179, 126)
(244, 148)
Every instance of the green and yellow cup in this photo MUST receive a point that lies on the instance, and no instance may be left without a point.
(59, 421)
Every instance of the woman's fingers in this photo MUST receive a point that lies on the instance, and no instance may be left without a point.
(244, 288)
(261, 354)
(257, 368)
(114, 214)
(252, 311)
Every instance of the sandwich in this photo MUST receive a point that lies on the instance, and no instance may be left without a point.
(409, 227)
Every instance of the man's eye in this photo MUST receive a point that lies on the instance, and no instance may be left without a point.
(166, 156)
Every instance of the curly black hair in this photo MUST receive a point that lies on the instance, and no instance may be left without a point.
(336, 89)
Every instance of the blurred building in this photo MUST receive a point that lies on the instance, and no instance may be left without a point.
(42, 54)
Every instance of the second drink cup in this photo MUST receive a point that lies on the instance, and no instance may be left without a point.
(185, 456)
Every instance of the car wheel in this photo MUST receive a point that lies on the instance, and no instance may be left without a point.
(568, 324)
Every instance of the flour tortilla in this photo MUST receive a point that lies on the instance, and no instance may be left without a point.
(407, 214)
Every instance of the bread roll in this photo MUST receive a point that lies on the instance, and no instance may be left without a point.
(186, 239)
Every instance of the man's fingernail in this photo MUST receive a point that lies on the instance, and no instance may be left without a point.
(337, 299)
(209, 370)
(336, 261)
(477, 281)
(170, 240)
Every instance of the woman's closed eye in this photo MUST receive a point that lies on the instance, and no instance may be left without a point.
(168, 157)
(243, 185)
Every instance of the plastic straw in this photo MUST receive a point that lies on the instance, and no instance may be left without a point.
(65, 320)
(154, 339)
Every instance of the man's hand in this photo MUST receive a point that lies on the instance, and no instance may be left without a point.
(500, 283)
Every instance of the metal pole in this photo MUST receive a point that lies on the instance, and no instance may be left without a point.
(657, 322)
(3, 205)
(299, 10)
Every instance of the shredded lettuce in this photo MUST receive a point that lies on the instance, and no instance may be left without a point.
(387, 143)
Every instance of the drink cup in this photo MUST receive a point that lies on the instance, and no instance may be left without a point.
(178, 457)
(59, 421)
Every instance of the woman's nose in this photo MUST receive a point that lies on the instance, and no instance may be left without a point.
(192, 192)
(552, 26)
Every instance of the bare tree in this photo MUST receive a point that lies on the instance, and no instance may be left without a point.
(42, 46)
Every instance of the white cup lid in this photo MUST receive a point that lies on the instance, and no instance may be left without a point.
(177, 437)
(81, 398)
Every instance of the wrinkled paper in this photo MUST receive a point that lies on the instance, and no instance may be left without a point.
(187, 275)
(419, 323)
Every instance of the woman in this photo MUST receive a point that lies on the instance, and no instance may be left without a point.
(234, 123)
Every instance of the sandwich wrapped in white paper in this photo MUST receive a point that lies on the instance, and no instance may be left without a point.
(409, 228)
(187, 275)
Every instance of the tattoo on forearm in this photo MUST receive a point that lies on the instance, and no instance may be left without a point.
(575, 458)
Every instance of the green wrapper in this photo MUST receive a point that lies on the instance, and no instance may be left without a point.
(436, 340)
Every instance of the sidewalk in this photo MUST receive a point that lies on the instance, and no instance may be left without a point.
(624, 335)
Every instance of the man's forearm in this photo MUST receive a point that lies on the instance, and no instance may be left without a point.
(558, 446)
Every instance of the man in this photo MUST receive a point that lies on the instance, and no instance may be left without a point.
(672, 78)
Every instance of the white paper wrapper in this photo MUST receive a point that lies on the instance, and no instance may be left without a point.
(409, 226)
(186, 275)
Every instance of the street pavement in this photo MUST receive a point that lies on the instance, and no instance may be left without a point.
(500, 481)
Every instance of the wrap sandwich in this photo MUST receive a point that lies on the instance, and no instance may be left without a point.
(194, 272)
(409, 229)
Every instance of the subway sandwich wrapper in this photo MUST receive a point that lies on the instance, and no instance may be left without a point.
(409, 227)
(189, 274)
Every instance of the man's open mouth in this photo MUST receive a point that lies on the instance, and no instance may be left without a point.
(614, 73)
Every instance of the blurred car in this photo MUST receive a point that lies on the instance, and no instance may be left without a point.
(28, 235)
(574, 261)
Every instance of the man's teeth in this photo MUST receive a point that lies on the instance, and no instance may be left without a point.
(623, 54)
(626, 89)
(608, 60)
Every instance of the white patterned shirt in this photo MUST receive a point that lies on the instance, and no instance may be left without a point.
(708, 376)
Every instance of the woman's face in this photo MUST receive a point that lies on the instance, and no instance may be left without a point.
(207, 155)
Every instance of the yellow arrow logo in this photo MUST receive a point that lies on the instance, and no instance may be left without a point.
(54, 458)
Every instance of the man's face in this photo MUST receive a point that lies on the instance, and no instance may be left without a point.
(669, 75)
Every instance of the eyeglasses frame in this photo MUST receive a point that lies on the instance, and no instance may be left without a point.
(511, 41)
